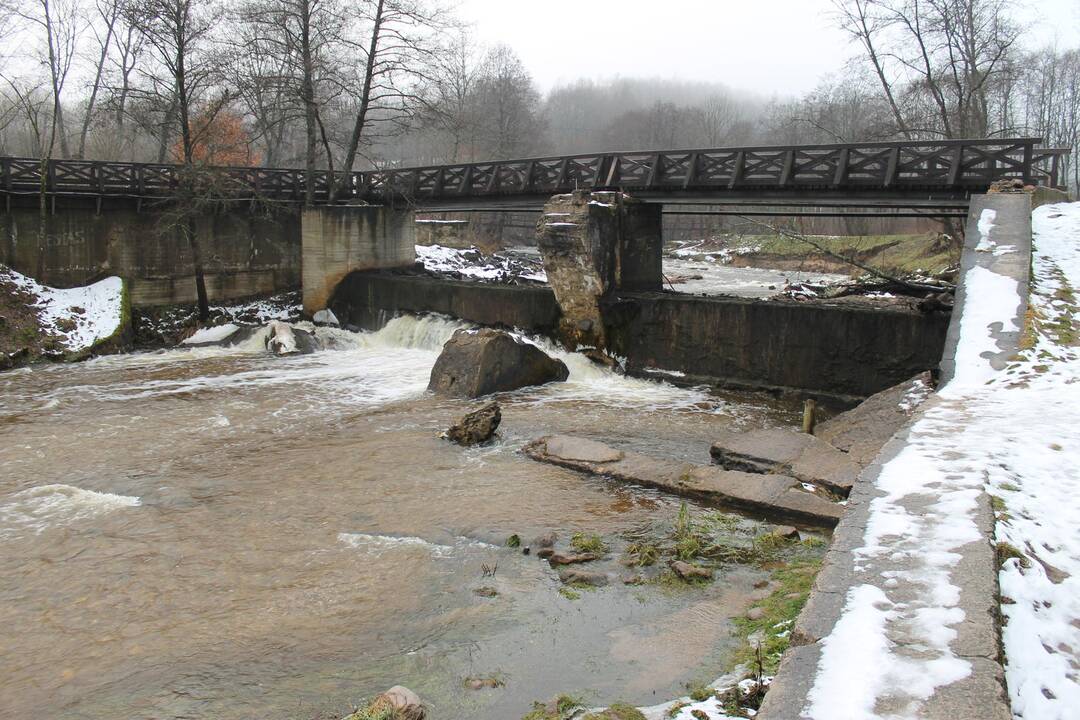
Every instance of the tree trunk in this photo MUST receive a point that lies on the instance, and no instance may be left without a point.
(203, 301)
(365, 103)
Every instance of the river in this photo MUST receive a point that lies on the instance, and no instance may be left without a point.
(217, 533)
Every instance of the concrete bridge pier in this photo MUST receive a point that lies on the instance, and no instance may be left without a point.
(337, 239)
(594, 243)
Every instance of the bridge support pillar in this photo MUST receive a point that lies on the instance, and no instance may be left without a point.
(337, 239)
(594, 243)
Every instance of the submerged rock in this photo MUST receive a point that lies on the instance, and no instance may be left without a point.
(686, 571)
(476, 427)
(560, 558)
(577, 576)
(481, 362)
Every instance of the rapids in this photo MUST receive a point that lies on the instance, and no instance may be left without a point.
(217, 533)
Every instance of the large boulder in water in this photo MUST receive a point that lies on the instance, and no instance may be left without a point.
(480, 362)
(284, 339)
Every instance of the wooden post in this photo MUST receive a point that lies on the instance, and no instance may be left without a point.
(808, 419)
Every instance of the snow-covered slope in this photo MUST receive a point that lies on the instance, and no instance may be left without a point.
(80, 317)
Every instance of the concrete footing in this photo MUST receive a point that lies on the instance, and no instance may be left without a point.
(336, 240)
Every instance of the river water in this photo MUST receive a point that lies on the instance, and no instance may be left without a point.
(216, 533)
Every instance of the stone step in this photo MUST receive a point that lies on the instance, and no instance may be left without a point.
(787, 452)
(773, 496)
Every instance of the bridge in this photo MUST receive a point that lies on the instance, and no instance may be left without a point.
(923, 176)
(101, 214)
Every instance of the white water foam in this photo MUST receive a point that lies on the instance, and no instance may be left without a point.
(366, 369)
(379, 544)
(37, 509)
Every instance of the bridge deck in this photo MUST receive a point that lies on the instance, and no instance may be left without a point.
(945, 169)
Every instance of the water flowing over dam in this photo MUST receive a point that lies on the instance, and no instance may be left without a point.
(216, 532)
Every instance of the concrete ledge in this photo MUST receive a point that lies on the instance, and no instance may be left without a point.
(980, 695)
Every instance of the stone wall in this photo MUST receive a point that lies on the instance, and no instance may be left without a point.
(243, 254)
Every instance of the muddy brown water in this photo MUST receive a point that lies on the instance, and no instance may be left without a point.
(216, 533)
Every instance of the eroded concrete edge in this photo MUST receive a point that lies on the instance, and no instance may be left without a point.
(981, 695)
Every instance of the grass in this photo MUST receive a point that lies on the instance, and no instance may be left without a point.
(375, 711)
(929, 252)
(771, 632)
(513, 541)
(618, 711)
(1005, 552)
(565, 707)
(569, 593)
(588, 543)
(642, 554)
(699, 692)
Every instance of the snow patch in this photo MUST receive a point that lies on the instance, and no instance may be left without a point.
(211, 334)
(82, 316)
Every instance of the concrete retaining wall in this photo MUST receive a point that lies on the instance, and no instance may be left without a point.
(981, 694)
(829, 350)
(243, 254)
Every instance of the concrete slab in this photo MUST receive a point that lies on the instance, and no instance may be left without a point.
(787, 452)
(773, 496)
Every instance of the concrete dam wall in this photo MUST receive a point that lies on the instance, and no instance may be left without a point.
(839, 350)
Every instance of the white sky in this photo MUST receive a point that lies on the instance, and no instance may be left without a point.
(769, 46)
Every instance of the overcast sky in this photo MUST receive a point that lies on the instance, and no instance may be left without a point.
(770, 46)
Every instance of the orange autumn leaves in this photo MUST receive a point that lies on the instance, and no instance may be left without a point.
(220, 139)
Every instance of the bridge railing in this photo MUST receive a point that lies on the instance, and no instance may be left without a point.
(954, 165)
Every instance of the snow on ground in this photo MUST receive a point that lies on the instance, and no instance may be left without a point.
(213, 334)
(1013, 433)
(473, 265)
(262, 311)
(80, 316)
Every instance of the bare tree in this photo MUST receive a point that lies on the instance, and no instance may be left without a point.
(188, 72)
(108, 14)
(399, 47)
(936, 61)
(58, 24)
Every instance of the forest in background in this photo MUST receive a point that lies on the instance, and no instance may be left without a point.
(344, 85)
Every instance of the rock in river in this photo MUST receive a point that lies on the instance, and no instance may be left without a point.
(476, 427)
(397, 703)
(686, 571)
(284, 339)
(480, 362)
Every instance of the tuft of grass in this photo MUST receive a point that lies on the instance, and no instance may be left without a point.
(618, 711)
(513, 541)
(1009, 487)
(675, 709)
(569, 593)
(565, 707)
(588, 543)
(699, 692)
(642, 554)
(1006, 551)
(375, 711)
(782, 607)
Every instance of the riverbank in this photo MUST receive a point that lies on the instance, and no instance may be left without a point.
(923, 254)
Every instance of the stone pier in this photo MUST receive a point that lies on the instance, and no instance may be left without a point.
(336, 240)
(594, 243)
